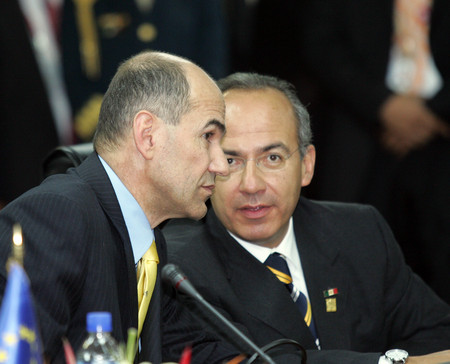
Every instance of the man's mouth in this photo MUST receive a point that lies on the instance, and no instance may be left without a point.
(254, 212)
(209, 188)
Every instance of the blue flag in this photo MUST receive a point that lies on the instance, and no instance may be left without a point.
(19, 334)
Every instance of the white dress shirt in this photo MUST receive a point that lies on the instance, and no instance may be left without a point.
(288, 249)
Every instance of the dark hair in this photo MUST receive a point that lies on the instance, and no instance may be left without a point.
(255, 81)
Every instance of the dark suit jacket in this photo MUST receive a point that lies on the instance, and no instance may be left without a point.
(27, 131)
(380, 303)
(79, 259)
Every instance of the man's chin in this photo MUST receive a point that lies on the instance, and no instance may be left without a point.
(198, 212)
(253, 234)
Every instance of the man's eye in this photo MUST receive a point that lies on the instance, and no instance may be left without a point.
(208, 135)
(274, 158)
(235, 162)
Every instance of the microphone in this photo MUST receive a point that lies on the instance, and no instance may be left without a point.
(174, 276)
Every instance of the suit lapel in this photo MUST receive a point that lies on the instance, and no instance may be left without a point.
(94, 174)
(322, 271)
(260, 293)
(271, 302)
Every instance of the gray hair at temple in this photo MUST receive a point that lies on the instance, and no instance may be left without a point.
(255, 81)
(150, 81)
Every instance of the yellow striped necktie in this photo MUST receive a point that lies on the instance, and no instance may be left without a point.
(146, 275)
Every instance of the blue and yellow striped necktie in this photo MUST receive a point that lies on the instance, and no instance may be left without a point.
(278, 266)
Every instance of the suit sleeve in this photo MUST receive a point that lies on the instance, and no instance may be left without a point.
(52, 238)
(416, 318)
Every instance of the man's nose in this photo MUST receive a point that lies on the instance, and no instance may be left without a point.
(252, 178)
(219, 164)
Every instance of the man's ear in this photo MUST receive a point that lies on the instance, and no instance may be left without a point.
(144, 126)
(308, 163)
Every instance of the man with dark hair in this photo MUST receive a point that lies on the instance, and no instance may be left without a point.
(327, 275)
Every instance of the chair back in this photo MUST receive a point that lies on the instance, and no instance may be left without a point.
(60, 159)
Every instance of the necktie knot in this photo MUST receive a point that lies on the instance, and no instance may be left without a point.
(278, 266)
(151, 254)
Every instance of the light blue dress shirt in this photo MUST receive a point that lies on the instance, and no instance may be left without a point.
(139, 230)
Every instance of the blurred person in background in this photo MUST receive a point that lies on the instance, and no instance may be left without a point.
(35, 114)
(385, 72)
(98, 35)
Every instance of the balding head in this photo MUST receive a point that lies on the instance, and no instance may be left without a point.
(152, 81)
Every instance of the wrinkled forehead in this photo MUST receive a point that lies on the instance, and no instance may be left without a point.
(257, 118)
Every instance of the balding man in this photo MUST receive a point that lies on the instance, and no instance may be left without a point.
(157, 152)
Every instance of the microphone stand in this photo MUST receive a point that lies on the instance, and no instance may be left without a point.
(179, 281)
(237, 332)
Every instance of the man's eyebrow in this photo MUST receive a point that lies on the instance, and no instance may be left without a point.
(216, 123)
(261, 150)
(231, 152)
(275, 146)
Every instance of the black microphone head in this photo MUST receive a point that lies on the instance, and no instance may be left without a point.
(171, 274)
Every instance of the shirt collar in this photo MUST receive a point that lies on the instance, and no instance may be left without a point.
(139, 230)
(287, 247)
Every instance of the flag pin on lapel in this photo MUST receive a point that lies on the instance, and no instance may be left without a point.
(330, 300)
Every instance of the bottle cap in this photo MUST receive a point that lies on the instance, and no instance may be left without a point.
(99, 322)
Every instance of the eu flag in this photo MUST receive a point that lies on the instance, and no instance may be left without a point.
(19, 335)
